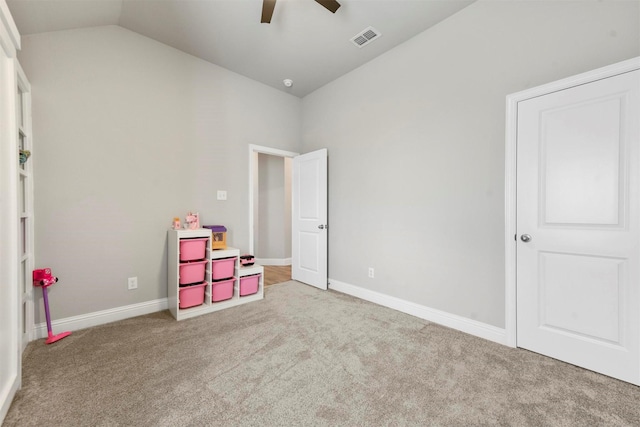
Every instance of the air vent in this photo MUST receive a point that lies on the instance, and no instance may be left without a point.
(365, 36)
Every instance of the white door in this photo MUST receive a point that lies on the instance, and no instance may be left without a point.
(578, 225)
(309, 219)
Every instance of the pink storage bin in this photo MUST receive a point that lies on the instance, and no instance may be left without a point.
(222, 289)
(192, 249)
(192, 272)
(249, 284)
(222, 268)
(193, 295)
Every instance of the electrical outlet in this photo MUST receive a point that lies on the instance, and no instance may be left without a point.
(371, 272)
(222, 195)
(132, 283)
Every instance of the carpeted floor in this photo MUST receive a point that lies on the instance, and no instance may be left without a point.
(305, 357)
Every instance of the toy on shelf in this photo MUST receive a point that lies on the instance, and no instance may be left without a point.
(219, 236)
(247, 260)
(43, 278)
(24, 156)
(192, 221)
(176, 223)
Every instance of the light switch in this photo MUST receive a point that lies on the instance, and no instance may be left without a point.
(222, 195)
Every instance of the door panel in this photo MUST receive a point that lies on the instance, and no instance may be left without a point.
(309, 177)
(309, 219)
(582, 189)
(578, 276)
(594, 310)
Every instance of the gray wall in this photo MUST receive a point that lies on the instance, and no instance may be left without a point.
(273, 239)
(416, 145)
(129, 133)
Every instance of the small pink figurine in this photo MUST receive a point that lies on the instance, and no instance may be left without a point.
(193, 221)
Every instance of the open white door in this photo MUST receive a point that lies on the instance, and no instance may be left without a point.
(309, 219)
(578, 225)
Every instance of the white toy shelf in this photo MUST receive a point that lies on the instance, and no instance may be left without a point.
(208, 305)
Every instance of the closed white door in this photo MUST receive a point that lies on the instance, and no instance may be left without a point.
(578, 225)
(309, 219)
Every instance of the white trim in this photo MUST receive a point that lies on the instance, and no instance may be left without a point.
(272, 151)
(6, 396)
(101, 317)
(10, 295)
(29, 256)
(9, 36)
(510, 174)
(469, 326)
(510, 221)
(273, 261)
(254, 150)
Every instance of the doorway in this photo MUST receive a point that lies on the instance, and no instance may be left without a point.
(270, 211)
(309, 189)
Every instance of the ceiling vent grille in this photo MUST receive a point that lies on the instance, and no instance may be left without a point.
(365, 36)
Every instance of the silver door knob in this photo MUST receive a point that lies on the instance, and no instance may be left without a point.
(321, 227)
(525, 238)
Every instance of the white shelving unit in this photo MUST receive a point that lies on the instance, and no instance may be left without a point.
(208, 306)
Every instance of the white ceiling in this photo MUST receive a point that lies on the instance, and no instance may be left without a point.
(304, 42)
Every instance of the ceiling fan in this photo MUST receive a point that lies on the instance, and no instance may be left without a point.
(269, 5)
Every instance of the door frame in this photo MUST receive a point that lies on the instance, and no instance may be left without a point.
(510, 174)
(254, 150)
(11, 360)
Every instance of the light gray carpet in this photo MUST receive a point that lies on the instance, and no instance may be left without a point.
(305, 357)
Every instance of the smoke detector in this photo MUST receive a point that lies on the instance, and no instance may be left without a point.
(365, 36)
(288, 82)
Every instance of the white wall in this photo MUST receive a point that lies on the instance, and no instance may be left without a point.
(416, 145)
(129, 133)
(273, 239)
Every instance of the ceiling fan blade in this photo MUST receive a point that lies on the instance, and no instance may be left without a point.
(267, 10)
(330, 5)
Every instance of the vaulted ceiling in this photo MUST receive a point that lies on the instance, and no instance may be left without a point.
(304, 42)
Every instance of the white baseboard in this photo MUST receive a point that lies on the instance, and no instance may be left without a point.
(100, 317)
(469, 326)
(273, 261)
(7, 394)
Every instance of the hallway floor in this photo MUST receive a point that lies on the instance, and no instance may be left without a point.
(276, 274)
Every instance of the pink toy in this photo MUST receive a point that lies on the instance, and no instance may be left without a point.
(176, 223)
(247, 260)
(193, 221)
(42, 277)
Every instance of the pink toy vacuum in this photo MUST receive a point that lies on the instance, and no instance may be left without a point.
(42, 277)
